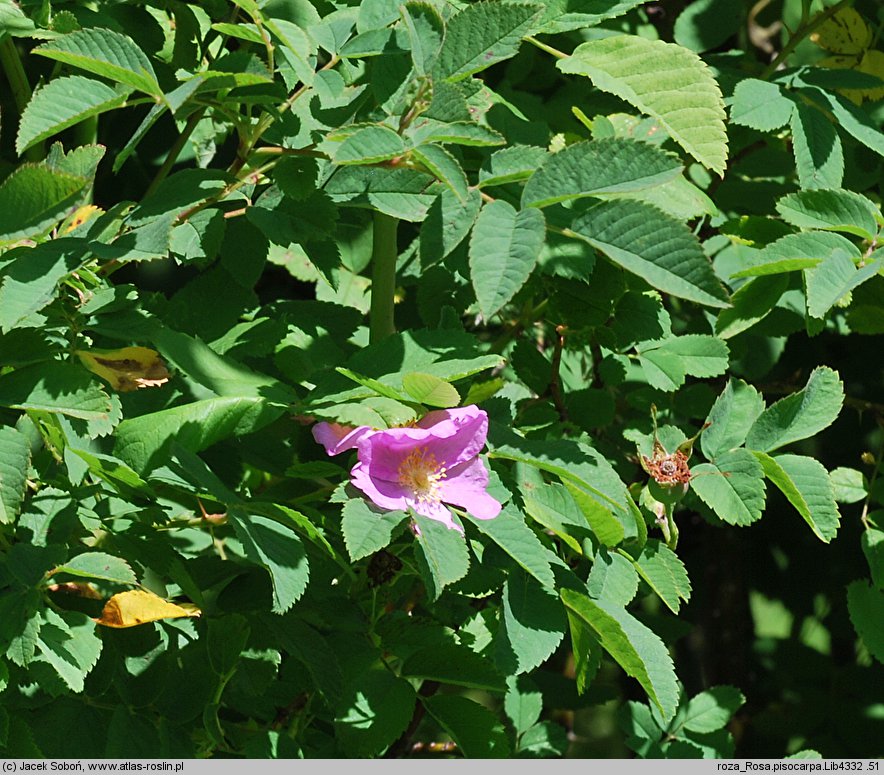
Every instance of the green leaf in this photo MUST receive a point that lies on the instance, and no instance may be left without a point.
(553, 507)
(105, 53)
(866, 607)
(665, 573)
(799, 415)
(98, 565)
(55, 386)
(533, 621)
(509, 531)
(760, 105)
(428, 130)
(62, 103)
(712, 709)
(606, 527)
(609, 166)
(566, 15)
(511, 165)
(873, 547)
(732, 486)
(277, 549)
(830, 210)
(369, 145)
(849, 485)
(833, 278)
(807, 486)
(481, 35)
(477, 732)
(798, 251)
(69, 644)
(15, 458)
(819, 157)
(451, 664)
(853, 120)
(33, 198)
(752, 302)
(373, 713)
(671, 359)
(443, 166)
(142, 442)
(30, 280)
(426, 31)
(399, 192)
(448, 221)
(707, 24)
(638, 650)
(612, 578)
(656, 247)
(663, 80)
(523, 703)
(503, 251)
(730, 418)
(366, 530)
(443, 556)
(429, 390)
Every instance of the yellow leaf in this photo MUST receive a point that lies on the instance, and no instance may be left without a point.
(79, 217)
(845, 33)
(128, 368)
(138, 606)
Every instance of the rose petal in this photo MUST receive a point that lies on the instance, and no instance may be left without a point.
(338, 438)
(436, 511)
(465, 486)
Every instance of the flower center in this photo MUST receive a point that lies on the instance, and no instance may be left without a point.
(421, 473)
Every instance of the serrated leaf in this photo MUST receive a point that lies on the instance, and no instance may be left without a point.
(448, 222)
(730, 418)
(609, 166)
(873, 547)
(453, 664)
(399, 192)
(807, 486)
(760, 105)
(566, 15)
(819, 157)
(369, 145)
(365, 530)
(553, 507)
(55, 386)
(752, 302)
(800, 414)
(833, 278)
(35, 197)
(509, 531)
(142, 441)
(476, 731)
(606, 527)
(426, 32)
(663, 80)
(62, 103)
(857, 123)
(798, 251)
(637, 649)
(98, 565)
(277, 549)
(533, 621)
(15, 458)
(866, 607)
(504, 248)
(429, 390)
(849, 485)
(656, 247)
(732, 486)
(612, 578)
(482, 34)
(69, 644)
(712, 709)
(444, 554)
(697, 354)
(374, 712)
(105, 53)
(138, 606)
(665, 573)
(511, 165)
(707, 24)
(830, 210)
(845, 32)
(444, 167)
(523, 703)
(428, 130)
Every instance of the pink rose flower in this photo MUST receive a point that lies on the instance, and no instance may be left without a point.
(421, 467)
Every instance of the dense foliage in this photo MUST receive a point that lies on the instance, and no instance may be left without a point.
(441, 378)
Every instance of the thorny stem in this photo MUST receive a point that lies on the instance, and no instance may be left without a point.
(383, 277)
(800, 34)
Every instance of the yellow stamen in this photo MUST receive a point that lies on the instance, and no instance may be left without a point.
(421, 473)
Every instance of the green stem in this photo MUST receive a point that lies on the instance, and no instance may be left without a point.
(175, 150)
(672, 532)
(800, 34)
(548, 49)
(18, 84)
(383, 277)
